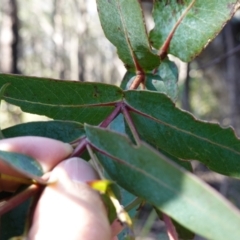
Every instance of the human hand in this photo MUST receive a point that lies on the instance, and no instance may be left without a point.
(68, 208)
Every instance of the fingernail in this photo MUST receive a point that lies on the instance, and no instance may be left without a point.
(79, 170)
(68, 148)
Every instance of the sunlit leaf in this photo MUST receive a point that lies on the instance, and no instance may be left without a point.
(111, 210)
(100, 185)
(164, 80)
(177, 132)
(123, 24)
(203, 22)
(178, 193)
(64, 100)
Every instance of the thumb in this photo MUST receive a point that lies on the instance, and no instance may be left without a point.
(69, 208)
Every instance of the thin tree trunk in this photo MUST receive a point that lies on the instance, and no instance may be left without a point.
(15, 34)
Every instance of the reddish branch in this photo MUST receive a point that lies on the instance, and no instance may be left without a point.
(171, 231)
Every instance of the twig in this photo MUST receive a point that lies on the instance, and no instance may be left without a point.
(111, 117)
(80, 148)
(171, 231)
(96, 163)
(19, 198)
(131, 124)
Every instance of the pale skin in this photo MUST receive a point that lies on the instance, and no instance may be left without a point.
(68, 208)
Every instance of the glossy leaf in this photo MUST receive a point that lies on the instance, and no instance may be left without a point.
(203, 21)
(65, 131)
(64, 100)
(177, 132)
(123, 24)
(148, 174)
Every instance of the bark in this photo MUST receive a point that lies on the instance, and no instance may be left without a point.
(16, 38)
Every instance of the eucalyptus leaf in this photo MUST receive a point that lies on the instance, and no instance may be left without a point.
(203, 21)
(65, 131)
(23, 164)
(178, 193)
(177, 132)
(168, 72)
(123, 24)
(164, 80)
(62, 100)
(185, 164)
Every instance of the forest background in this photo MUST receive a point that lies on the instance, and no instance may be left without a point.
(64, 40)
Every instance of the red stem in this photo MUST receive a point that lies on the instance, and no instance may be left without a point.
(80, 148)
(139, 79)
(130, 124)
(171, 231)
(112, 116)
(18, 199)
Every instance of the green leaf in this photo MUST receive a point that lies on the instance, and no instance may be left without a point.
(183, 233)
(63, 100)
(127, 80)
(168, 72)
(65, 131)
(118, 124)
(164, 80)
(147, 174)
(23, 164)
(185, 164)
(177, 132)
(203, 22)
(123, 24)
(111, 210)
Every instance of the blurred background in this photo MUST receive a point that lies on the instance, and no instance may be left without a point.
(64, 40)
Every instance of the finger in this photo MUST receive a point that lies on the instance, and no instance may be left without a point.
(70, 209)
(116, 227)
(48, 152)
